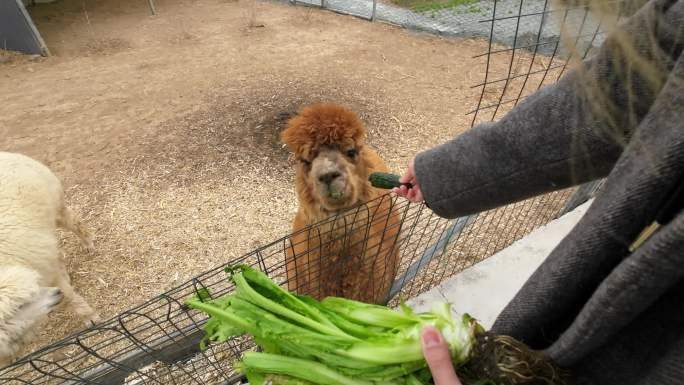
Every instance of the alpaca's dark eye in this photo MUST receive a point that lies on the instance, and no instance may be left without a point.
(304, 161)
(352, 153)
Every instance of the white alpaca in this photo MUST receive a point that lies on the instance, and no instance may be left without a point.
(33, 276)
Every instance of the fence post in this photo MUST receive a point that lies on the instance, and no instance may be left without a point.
(584, 192)
(437, 249)
(375, 4)
(152, 9)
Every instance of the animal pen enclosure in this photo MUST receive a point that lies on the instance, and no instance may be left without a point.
(157, 342)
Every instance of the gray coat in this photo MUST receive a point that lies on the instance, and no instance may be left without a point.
(610, 316)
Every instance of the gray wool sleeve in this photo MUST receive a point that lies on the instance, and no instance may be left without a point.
(548, 142)
(562, 135)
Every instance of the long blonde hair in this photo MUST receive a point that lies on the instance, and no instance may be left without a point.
(633, 64)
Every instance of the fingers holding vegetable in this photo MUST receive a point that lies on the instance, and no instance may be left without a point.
(409, 188)
(438, 358)
(405, 186)
(413, 194)
(409, 176)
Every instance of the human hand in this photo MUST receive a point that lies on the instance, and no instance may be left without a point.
(436, 353)
(413, 194)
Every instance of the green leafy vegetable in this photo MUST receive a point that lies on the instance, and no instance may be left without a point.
(343, 342)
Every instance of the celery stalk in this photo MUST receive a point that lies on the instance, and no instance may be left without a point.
(246, 291)
(299, 368)
(367, 314)
(332, 342)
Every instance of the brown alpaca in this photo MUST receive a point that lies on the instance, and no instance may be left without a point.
(354, 256)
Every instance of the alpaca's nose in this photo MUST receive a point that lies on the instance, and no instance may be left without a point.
(327, 178)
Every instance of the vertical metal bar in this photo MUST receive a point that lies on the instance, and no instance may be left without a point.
(375, 4)
(510, 64)
(534, 54)
(489, 57)
(36, 35)
(436, 249)
(553, 56)
(583, 193)
(152, 9)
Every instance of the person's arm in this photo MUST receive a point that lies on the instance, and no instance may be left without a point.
(549, 142)
(519, 157)
(562, 135)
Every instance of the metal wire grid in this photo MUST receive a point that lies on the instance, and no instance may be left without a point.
(158, 341)
(534, 58)
(530, 42)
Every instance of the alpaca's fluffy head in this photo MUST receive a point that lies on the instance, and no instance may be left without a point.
(333, 162)
(23, 304)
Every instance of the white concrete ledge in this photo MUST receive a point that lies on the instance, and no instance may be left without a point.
(483, 290)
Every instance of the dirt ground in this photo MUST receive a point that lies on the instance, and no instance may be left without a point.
(165, 128)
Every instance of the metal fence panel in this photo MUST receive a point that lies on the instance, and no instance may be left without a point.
(158, 341)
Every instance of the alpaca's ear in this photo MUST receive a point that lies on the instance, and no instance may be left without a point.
(296, 136)
(361, 137)
(356, 129)
(289, 136)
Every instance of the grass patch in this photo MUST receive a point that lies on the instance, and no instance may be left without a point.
(436, 5)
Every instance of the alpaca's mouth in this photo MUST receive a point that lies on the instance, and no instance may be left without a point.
(335, 193)
(338, 206)
(337, 199)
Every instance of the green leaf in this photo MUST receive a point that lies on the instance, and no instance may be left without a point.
(295, 367)
(268, 326)
(392, 351)
(203, 294)
(405, 308)
(246, 292)
(261, 283)
(333, 342)
(275, 379)
(368, 314)
(350, 327)
(413, 380)
(385, 372)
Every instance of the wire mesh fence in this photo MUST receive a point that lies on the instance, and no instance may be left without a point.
(380, 251)
(523, 24)
(530, 42)
(158, 341)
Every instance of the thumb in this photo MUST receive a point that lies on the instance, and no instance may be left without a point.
(409, 175)
(436, 353)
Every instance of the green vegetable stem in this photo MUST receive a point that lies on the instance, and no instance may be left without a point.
(339, 341)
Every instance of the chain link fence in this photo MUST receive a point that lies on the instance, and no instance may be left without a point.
(513, 23)
(530, 42)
